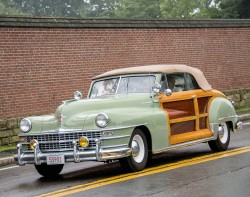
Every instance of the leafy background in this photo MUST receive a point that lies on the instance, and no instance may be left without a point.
(127, 9)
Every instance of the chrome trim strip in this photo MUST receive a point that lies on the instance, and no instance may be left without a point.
(68, 101)
(116, 146)
(60, 141)
(228, 118)
(62, 131)
(119, 128)
(52, 150)
(114, 137)
(57, 141)
(177, 146)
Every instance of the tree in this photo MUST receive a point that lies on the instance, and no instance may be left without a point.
(101, 8)
(244, 9)
(44, 8)
(235, 8)
(51, 8)
(9, 8)
(137, 9)
(179, 8)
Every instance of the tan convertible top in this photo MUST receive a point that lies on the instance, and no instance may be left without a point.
(161, 68)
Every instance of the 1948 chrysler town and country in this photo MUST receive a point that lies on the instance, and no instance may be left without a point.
(129, 115)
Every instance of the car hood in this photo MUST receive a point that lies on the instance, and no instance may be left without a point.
(72, 115)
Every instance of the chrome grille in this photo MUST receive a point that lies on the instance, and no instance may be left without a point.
(61, 141)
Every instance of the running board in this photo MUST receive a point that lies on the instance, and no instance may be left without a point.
(182, 145)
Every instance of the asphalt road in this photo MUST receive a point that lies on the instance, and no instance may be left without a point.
(192, 171)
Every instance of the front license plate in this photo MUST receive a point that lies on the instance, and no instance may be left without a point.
(55, 159)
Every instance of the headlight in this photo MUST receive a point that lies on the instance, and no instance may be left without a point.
(25, 125)
(102, 120)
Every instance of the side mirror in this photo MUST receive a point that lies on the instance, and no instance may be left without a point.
(77, 95)
(156, 88)
(168, 92)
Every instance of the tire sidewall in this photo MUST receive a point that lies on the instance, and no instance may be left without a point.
(49, 171)
(132, 163)
(224, 146)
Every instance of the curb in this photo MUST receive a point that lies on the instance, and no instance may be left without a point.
(244, 117)
(7, 161)
(10, 160)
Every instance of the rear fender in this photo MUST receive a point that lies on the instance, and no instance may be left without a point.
(220, 111)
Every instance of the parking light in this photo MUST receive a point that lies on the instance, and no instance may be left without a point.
(33, 143)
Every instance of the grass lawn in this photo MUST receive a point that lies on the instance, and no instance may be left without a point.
(7, 148)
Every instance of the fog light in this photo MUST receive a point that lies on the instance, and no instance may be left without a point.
(32, 144)
(83, 141)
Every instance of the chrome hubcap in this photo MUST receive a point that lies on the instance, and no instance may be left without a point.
(138, 149)
(135, 148)
(223, 133)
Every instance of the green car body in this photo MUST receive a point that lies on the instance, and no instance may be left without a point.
(60, 133)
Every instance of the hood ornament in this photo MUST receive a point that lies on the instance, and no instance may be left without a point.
(61, 117)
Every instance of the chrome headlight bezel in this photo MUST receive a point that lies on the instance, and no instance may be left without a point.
(25, 125)
(102, 120)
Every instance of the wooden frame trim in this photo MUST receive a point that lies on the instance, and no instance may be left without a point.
(190, 136)
(177, 120)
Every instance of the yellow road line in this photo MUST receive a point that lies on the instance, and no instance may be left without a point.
(146, 172)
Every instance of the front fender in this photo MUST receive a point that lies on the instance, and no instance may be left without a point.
(127, 119)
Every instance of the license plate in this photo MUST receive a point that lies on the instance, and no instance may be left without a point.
(55, 159)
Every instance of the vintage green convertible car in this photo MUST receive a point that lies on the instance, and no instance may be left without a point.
(129, 115)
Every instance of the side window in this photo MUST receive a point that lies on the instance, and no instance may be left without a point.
(176, 82)
(122, 88)
(191, 83)
(164, 83)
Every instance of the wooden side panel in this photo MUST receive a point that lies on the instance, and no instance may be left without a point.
(190, 136)
(182, 127)
(203, 104)
(184, 108)
(188, 115)
(203, 123)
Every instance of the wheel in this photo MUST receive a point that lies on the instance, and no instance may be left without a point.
(49, 171)
(139, 157)
(222, 142)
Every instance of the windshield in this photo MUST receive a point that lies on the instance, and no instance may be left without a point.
(123, 85)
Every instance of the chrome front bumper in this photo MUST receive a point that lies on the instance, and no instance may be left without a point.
(76, 155)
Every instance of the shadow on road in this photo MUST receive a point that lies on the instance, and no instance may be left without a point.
(113, 169)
